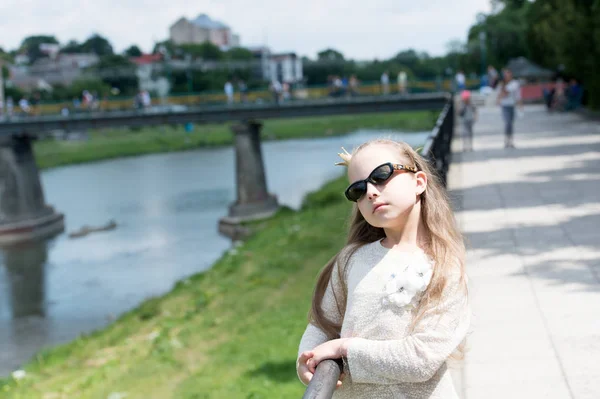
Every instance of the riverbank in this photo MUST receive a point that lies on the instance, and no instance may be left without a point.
(118, 143)
(231, 332)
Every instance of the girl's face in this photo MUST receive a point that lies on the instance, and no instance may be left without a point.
(386, 205)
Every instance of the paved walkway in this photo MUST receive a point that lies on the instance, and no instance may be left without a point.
(531, 216)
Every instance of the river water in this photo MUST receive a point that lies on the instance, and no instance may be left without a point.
(167, 207)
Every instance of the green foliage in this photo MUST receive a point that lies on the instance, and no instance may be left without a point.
(506, 37)
(92, 85)
(98, 45)
(567, 32)
(165, 45)
(205, 51)
(117, 71)
(31, 45)
(133, 51)
(330, 55)
(239, 54)
(72, 47)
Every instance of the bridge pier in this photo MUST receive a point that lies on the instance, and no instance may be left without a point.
(253, 200)
(24, 215)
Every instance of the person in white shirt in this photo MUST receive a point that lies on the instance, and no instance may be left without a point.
(461, 81)
(385, 83)
(24, 105)
(509, 96)
(402, 82)
(229, 92)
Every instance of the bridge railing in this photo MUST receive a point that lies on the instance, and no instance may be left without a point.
(437, 145)
(324, 380)
(437, 151)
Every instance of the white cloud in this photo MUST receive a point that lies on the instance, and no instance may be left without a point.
(364, 30)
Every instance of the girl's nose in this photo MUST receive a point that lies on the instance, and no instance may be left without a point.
(372, 191)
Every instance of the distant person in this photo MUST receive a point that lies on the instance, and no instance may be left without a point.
(87, 99)
(461, 81)
(243, 89)
(285, 91)
(392, 305)
(402, 82)
(146, 99)
(492, 76)
(468, 113)
(508, 98)
(228, 88)
(574, 95)
(275, 89)
(353, 86)
(385, 83)
(24, 106)
(337, 86)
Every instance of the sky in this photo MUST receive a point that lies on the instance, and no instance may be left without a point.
(359, 29)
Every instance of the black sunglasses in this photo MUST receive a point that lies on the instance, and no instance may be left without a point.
(379, 175)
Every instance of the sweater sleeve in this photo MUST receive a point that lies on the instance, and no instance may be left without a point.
(313, 336)
(417, 357)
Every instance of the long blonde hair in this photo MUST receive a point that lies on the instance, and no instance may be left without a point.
(445, 245)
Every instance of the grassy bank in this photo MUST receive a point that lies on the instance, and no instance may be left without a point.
(116, 143)
(231, 332)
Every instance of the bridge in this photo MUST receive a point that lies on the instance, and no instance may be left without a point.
(25, 215)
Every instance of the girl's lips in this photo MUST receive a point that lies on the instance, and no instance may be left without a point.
(378, 206)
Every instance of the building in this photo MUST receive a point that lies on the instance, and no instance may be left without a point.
(149, 72)
(203, 29)
(64, 69)
(46, 72)
(286, 67)
(283, 67)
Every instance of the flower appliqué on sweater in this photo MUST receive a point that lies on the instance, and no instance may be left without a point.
(405, 287)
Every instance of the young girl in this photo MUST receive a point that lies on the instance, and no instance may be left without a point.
(468, 113)
(392, 304)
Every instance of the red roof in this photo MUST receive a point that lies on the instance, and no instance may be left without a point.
(146, 59)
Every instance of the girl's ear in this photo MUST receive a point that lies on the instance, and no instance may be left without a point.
(421, 181)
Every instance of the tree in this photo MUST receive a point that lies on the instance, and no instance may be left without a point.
(206, 51)
(31, 45)
(330, 55)
(4, 56)
(133, 51)
(505, 32)
(72, 47)
(98, 45)
(567, 32)
(239, 54)
(165, 46)
(117, 71)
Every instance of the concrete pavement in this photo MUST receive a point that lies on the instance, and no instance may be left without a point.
(531, 217)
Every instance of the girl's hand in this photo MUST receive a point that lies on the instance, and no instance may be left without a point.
(334, 349)
(306, 374)
(303, 372)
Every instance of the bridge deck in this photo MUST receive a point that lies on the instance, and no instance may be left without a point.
(34, 125)
(532, 219)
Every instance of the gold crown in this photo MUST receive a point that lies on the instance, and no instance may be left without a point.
(346, 156)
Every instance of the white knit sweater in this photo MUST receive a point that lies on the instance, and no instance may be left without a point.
(388, 360)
